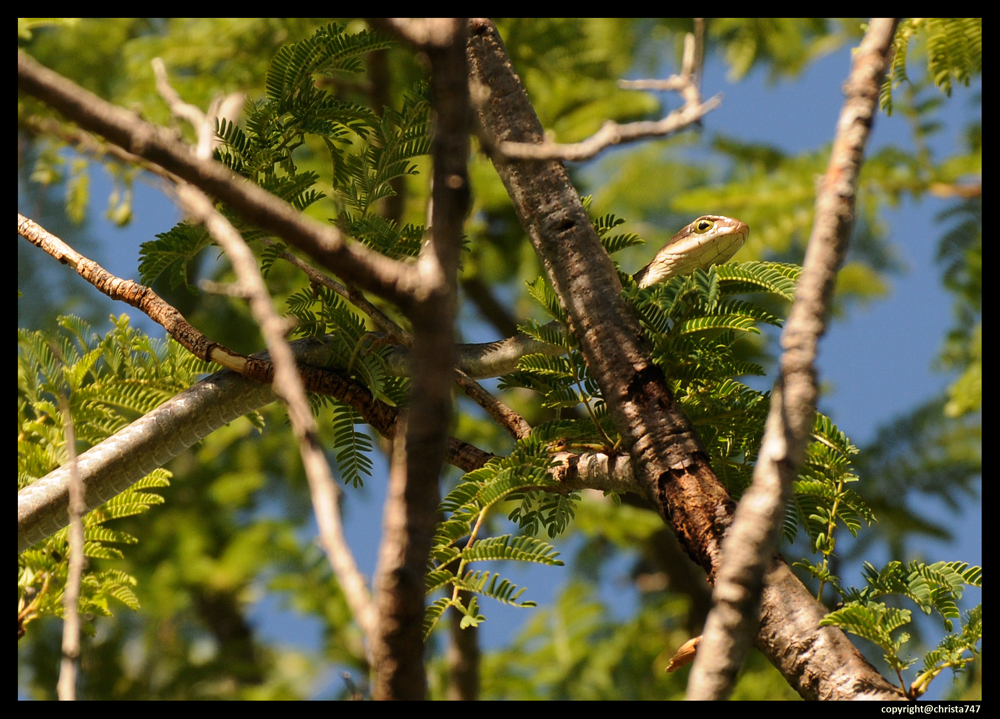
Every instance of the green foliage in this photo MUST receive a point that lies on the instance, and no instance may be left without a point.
(107, 382)
(322, 314)
(402, 135)
(457, 542)
(784, 45)
(575, 64)
(614, 243)
(822, 501)
(353, 351)
(935, 587)
(580, 647)
(961, 253)
(353, 448)
(366, 152)
(951, 651)
(290, 83)
(954, 50)
(27, 25)
(77, 194)
(694, 323)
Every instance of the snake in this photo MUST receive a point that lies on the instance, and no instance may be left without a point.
(114, 465)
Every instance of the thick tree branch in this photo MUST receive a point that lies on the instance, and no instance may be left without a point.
(360, 266)
(412, 503)
(663, 446)
(666, 453)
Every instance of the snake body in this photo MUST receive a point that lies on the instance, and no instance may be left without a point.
(118, 462)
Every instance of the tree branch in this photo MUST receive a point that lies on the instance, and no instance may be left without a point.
(289, 388)
(412, 503)
(121, 460)
(355, 263)
(755, 534)
(611, 133)
(666, 453)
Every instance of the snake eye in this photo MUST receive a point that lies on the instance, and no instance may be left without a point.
(704, 226)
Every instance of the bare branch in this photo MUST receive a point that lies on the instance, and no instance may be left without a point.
(66, 687)
(506, 417)
(752, 540)
(611, 133)
(143, 298)
(363, 267)
(139, 296)
(667, 456)
(412, 502)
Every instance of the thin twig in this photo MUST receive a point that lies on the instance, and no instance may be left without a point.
(287, 383)
(753, 538)
(66, 687)
(611, 133)
(686, 84)
(510, 420)
(355, 263)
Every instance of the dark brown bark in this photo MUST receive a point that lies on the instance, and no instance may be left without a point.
(414, 495)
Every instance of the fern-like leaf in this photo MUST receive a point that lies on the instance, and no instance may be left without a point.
(353, 448)
(523, 549)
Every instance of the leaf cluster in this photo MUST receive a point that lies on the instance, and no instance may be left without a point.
(366, 152)
(457, 541)
(693, 323)
(357, 354)
(106, 382)
(822, 502)
(932, 587)
(600, 655)
(954, 50)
